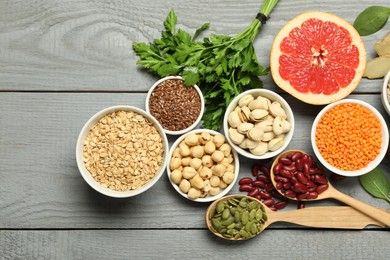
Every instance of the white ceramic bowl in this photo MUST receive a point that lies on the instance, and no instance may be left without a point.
(87, 175)
(372, 164)
(385, 100)
(202, 106)
(208, 198)
(273, 97)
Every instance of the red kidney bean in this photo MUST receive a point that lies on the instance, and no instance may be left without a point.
(269, 202)
(321, 188)
(305, 158)
(310, 160)
(246, 187)
(259, 184)
(265, 195)
(296, 156)
(312, 189)
(300, 188)
(301, 177)
(281, 204)
(269, 187)
(312, 171)
(277, 168)
(273, 208)
(336, 177)
(255, 169)
(287, 185)
(306, 169)
(262, 177)
(311, 184)
(312, 195)
(294, 179)
(290, 168)
(282, 179)
(254, 193)
(245, 180)
(286, 173)
(264, 170)
(320, 179)
(302, 196)
(276, 194)
(285, 161)
(290, 194)
(299, 164)
(258, 197)
(301, 205)
(279, 185)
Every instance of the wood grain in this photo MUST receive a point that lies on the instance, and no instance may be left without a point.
(58, 45)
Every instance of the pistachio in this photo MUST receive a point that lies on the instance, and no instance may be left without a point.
(234, 119)
(255, 134)
(265, 102)
(244, 128)
(286, 126)
(260, 149)
(268, 136)
(265, 125)
(244, 114)
(277, 110)
(249, 144)
(245, 100)
(255, 104)
(258, 115)
(277, 126)
(276, 143)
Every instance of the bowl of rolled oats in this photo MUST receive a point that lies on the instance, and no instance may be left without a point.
(122, 151)
(385, 97)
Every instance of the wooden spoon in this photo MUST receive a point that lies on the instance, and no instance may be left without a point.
(333, 193)
(342, 217)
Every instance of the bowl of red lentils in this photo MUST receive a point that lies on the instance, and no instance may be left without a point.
(350, 137)
(178, 108)
(121, 151)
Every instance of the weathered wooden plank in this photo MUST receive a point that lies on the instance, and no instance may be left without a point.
(86, 45)
(191, 244)
(42, 188)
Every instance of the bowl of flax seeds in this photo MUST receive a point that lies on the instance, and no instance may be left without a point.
(178, 108)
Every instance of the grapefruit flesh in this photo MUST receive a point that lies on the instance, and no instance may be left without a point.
(318, 58)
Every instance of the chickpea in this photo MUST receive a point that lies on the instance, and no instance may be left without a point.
(207, 161)
(184, 186)
(189, 172)
(218, 140)
(222, 184)
(176, 153)
(217, 156)
(197, 151)
(186, 161)
(205, 173)
(196, 163)
(219, 170)
(204, 137)
(207, 185)
(194, 193)
(176, 176)
(184, 149)
(230, 168)
(191, 139)
(174, 163)
(226, 149)
(215, 181)
(214, 191)
(197, 182)
(209, 147)
(228, 177)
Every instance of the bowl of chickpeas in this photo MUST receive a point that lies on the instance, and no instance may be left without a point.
(202, 165)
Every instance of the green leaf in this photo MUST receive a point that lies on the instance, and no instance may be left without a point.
(376, 183)
(371, 20)
(170, 22)
(190, 76)
(168, 69)
(200, 30)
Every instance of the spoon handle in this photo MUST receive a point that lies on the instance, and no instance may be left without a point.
(325, 217)
(371, 211)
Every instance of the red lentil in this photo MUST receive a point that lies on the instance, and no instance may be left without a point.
(349, 136)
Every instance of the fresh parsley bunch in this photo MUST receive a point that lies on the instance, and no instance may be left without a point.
(222, 66)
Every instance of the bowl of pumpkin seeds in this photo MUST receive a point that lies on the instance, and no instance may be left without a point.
(236, 217)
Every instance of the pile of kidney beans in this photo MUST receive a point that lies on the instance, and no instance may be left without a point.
(296, 175)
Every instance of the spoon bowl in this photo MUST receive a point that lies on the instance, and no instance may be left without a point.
(342, 217)
(330, 193)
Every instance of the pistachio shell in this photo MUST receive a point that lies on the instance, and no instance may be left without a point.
(244, 114)
(265, 102)
(268, 136)
(277, 126)
(276, 143)
(244, 128)
(236, 137)
(264, 125)
(286, 126)
(277, 110)
(260, 149)
(245, 100)
(249, 144)
(255, 104)
(258, 115)
(255, 134)
(234, 119)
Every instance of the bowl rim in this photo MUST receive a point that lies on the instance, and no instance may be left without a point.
(202, 105)
(273, 96)
(87, 175)
(372, 164)
(208, 198)
(384, 99)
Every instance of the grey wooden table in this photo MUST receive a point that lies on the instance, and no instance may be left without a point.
(61, 62)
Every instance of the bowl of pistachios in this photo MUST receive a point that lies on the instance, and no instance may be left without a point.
(258, 124)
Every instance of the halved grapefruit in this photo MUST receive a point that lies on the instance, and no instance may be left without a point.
(318, 58)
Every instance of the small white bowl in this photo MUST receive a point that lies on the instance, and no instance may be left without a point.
(273, 97)
(208, 198)
(372, 164)
(202, 106)
(385, 87)
(87, 175)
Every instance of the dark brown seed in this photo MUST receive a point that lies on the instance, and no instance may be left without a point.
(281, 204)
(245, 180)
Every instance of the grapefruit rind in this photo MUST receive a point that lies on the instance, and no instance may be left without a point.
(308, 97)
